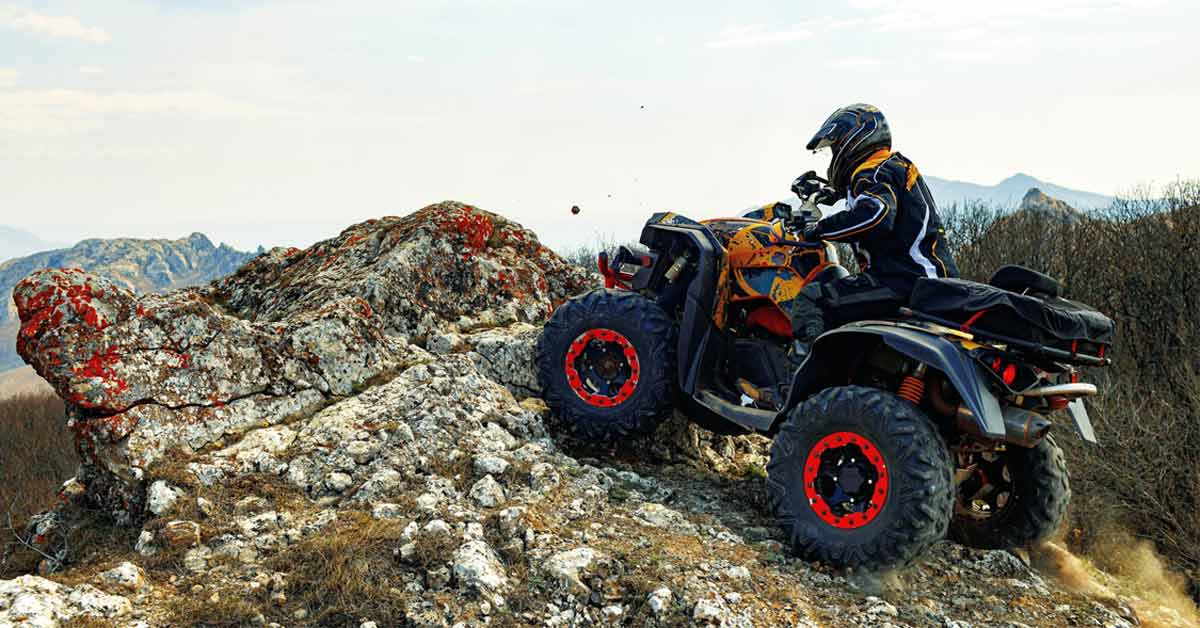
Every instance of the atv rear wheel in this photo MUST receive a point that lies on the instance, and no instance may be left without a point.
(1011, 498)
(606, 364)
(859, 477)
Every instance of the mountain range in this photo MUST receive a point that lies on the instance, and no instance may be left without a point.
(140, 265)
(18, 243)
(1010, 192)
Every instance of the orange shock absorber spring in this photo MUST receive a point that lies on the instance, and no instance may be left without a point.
(913, 386)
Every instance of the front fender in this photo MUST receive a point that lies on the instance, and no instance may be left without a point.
(835, 355)
(696, 328)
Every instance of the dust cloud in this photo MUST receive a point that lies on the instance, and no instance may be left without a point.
(1123, 570)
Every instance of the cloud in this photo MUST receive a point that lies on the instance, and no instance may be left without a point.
(90, 69)
(955, 15)
(856, 62)
(59, 111)
(1013, 47)
(755, 35)
(974, 33)
(8, 77)
(60, 27)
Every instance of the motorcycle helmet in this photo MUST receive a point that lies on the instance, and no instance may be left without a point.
(854, 133)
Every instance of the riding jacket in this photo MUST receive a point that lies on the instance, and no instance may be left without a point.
(892, 222)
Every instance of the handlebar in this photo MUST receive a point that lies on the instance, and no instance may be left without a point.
(812, 189)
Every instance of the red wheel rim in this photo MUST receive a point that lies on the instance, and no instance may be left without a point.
(610, 382)
(845, 480)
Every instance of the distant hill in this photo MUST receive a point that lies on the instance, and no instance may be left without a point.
(141, 265)
(1009, 192)
(18, 243)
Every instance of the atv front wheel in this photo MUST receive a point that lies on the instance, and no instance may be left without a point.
(859, 477)
(1011, 498)
(606, 364)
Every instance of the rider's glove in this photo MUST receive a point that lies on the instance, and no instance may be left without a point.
(806, 184)
(827, 196)
(812, 232)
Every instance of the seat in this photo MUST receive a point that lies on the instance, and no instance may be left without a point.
(1026, 281)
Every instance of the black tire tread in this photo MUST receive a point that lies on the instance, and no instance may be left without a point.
(913, 520)
(1042, 490)
(642, 412)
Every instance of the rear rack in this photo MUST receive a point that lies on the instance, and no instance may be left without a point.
(1054, 353)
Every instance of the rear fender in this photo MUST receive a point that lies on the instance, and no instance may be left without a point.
(836, 354)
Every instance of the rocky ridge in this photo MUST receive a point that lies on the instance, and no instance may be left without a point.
(138, 265)
(378, 456)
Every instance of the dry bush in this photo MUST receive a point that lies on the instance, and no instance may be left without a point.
(1137, 262)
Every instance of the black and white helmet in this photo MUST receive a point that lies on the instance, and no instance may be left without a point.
(854, 132)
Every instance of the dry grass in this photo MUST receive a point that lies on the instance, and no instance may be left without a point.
(348, 571)
(36, 452)
(337, 576)
(36, 455)
(228, 610)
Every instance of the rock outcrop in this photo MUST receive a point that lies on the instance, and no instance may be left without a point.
(137, 265)
(1041, 205)
(316, 465)
(447, 268)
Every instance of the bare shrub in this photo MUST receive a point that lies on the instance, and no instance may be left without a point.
(1137, 262)
(585, 255)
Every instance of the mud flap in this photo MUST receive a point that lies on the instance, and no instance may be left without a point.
(1083, 423)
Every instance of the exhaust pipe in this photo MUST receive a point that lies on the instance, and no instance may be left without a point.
(1024, 428)
(1021, 427)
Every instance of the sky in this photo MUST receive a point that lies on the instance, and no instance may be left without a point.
(280, 122)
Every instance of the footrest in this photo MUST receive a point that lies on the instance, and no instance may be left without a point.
(749, 418)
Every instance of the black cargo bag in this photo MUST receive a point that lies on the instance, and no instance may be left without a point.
(1049, 321)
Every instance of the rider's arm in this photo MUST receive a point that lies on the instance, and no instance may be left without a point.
(872, 205)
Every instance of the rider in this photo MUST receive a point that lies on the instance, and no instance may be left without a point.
(890, 220)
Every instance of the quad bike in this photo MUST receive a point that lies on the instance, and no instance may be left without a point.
(888, 435)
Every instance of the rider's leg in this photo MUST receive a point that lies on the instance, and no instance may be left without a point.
(808, 313)
(860, 297)
(821, 306)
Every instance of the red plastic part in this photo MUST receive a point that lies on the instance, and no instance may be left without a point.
(770, 318)
(813, 464)
(610, 278)
(576, 382)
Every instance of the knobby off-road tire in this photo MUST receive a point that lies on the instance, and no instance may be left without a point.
(620, 320)
(1040, 491)
(893, 531)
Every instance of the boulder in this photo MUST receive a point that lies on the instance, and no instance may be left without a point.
(477, 568)
(33, 601)
(569, 568)
(154, 377)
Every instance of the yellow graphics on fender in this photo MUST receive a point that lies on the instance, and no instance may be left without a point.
(761, 271)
